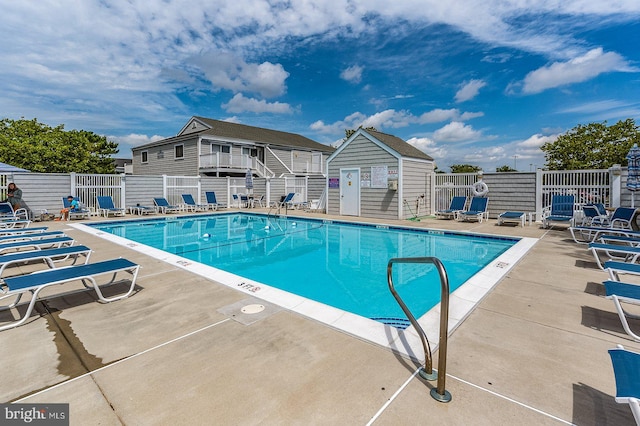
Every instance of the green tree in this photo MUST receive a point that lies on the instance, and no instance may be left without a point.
(40, 148)
(504, 169)
(464, 168)
(592, 146)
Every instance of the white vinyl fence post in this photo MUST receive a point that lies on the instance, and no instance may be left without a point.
(616, 185)
(539, 205)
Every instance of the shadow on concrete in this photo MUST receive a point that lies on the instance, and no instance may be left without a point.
(592, 407)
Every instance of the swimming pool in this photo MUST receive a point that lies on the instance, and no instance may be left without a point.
(339, 264)
(321, 269)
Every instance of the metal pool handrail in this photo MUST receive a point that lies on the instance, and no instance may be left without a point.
(439, 393)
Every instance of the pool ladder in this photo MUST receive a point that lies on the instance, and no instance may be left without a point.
(439, 393)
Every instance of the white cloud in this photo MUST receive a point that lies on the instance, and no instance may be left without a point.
(239, 103)
(126, 142)
(391, 118)
(536, 141)
(576, 70)
(456, 132)
(428, 146)
(469, 90)
(353, 74)
(228, 71)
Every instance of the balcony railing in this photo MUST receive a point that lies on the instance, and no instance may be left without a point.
(226, 161)
(306, 167)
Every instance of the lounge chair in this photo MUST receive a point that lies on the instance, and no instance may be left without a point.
(626, 369)
(284, 202)
(561, 210)
(36, 244)
(7, 212)
(14, 223)
(106, 206)
(6, 238)
(615, 268)
(36, 282)
(624, 292)
(594, 215)
(457, 205)
(81, 213)
(163, 205)
(142, 210)
(17, 231)
(48, 256)
(212, 201)
(190, 204)
(477, 210)
(588, 234)
(512, 217)
(620, 252)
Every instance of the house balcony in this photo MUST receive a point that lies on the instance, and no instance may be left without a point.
(307, 168)
(221, 162)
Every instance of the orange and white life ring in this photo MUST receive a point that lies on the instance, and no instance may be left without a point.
(480, 189)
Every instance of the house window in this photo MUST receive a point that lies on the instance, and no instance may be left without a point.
(144, 157)
(220, 148)
(179, 151)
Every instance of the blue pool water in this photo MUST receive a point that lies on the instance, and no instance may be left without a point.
(335, 263)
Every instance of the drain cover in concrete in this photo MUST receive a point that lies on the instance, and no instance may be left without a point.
(252, 309)
(248, 311)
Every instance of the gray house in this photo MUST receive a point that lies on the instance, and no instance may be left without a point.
(373, 174)
(207, 147)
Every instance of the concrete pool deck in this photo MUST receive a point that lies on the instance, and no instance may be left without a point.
(179, 351)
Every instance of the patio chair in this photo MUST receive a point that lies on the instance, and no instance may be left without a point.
(7, 213)
(81, 213)
(591, 216)
(626, 370)
(259, 201)
(212, 201)
(512, 217)
(36, 282)
(561, 210)
(36, 244)
(244, 201)
(163, 205)
(190, 204)
(621, 218)
(284, 201)
(106, 206)
(477, 210)
(48, 256)
(457, 204)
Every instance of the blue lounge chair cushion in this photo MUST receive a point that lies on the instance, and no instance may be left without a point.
(62, 275)
(16, 231)
(620, 289)
(626, 369)
(34, 236)
(512, 215)
(59, 241)
(47, 255)
(615, 248)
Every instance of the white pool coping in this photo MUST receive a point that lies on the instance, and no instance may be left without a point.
(461, 302)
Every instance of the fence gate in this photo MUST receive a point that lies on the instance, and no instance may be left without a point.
(588, 186)
(88, 187)
(175, 186)
(449, 185)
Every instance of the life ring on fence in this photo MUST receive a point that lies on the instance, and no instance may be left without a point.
(480, 189)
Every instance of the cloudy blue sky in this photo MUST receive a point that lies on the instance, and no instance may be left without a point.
(474, 82)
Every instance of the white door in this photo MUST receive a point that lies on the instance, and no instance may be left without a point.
(350, 192)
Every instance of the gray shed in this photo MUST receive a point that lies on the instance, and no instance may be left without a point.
(373, 174)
